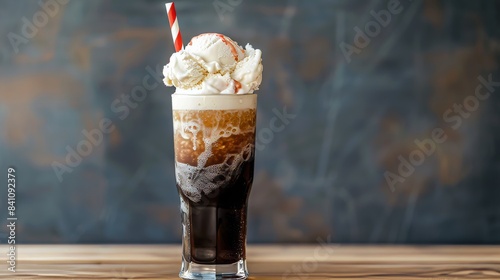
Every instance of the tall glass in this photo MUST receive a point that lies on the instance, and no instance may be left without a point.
(214, 139)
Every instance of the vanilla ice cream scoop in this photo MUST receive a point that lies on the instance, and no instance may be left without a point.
(214, 64)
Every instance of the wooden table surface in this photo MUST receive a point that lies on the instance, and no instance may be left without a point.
(264, 262)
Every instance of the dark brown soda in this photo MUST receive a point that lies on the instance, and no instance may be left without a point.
(217, 223)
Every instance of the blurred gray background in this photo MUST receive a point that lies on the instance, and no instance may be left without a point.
(346, 166)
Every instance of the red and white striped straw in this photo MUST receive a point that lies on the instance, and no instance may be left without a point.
(174, 26)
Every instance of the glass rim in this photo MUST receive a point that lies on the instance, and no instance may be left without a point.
(214, 101)
(213, 95)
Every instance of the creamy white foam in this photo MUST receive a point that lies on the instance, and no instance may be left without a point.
(195, 180)
(214, 102)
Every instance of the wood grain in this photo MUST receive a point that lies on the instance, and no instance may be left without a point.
(265, 262)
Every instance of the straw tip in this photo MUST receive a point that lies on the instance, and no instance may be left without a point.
(168, 5)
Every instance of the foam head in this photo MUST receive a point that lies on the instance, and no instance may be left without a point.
(213, 135)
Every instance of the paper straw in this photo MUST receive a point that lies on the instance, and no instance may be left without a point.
(174, 26)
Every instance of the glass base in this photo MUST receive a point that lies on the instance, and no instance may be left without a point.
(191, 270)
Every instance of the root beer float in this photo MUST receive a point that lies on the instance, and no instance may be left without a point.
(214, 115)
